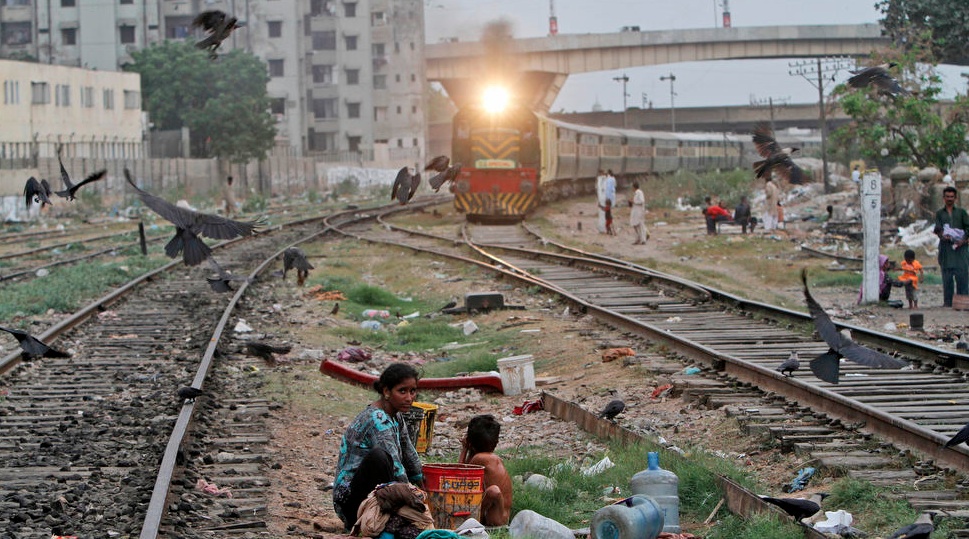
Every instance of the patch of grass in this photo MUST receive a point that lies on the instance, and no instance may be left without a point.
(760, 526)
(692, 187)
(304, 388)
(874, 511)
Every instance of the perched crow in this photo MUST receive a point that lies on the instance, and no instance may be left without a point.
(959, 437)
(612, 409)
(405, 185)
(266, 351)
(790, 365)
(827, 366)
(438, 164)
(776, 159)
(799, 508)
(448, 175)
(39, 189)
(189, 393)
(69, 188)
(336, 309)
(219, 25)
(922, 528)
(450, 305)
(294, 257)
(879, 77)
(189, 225)
(32, 346)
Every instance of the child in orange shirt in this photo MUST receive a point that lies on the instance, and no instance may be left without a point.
(911, 275)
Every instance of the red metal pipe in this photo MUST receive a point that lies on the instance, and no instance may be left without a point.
(346, 372)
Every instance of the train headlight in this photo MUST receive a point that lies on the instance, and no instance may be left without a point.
(495, 99)
(463, 186)
(527, 187)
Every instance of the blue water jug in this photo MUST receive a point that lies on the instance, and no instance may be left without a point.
(663, 487)
(636, 517)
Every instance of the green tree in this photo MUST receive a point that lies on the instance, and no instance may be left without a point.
(908, 128)
(945, 21)
(222, 102)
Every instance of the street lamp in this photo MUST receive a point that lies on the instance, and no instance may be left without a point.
(671, 77)
(624, 79)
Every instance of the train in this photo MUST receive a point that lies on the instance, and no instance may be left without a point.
(516, 159)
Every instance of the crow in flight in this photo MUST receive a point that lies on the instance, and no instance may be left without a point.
(295, 258)
(790, 365)
(827, 366)
(776, 159)
(33, 347)
(219, 25)
(438, 164)
(879, 77)
(189, 225)
(448, 175)
(190, 393)
(799, 508)
(405, 185)
(222, 283)
(69, 188)
(612, 409)
(37, 191)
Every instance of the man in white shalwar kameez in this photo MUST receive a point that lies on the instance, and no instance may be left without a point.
(637, 216)
(601, 201)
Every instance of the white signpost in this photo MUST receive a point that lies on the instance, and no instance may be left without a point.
(871, 209)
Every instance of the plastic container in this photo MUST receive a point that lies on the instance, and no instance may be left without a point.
(663, 487)
(517, 374)
(420, 425)
(454, 493)
(528, 523)
(636, 517)
(916, 320)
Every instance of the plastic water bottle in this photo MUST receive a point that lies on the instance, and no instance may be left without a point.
(663, 487)
(636, 517)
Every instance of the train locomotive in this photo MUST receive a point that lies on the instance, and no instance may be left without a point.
(515, 159)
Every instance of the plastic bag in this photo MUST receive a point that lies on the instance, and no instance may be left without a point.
(528, 523)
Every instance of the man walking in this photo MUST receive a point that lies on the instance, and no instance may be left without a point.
(952, 227)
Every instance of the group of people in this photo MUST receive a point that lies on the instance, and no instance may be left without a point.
(377, 454)
(717, 213)
(606, 195)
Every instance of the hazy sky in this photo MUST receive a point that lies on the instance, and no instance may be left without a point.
(697, 84)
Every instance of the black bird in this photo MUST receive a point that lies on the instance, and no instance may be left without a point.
(33, 347)
(827, 366)
(39, 189)
(450, 305)
(295, 258)
(266, 351)
(189, 225)
(776, 159)
(222, 283)
(922, 528)
(790, 365)
(879, 77)
(219, 25)
(448, 175)
(69, 188)
(336, 309)
(190, 393)
(799, 508)
(960, 437)
(612, 409)
(405, 185)
(438, 164)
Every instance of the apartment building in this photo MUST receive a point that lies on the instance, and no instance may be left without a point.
(346, 76)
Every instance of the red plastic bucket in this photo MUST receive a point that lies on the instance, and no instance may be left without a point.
(454, 492)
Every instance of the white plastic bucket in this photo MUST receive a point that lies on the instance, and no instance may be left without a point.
(517, 374)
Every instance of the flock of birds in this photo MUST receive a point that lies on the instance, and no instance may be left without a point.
(406, 183)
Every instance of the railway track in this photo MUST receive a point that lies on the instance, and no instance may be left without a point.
(914, 409)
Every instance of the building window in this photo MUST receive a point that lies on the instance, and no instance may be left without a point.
(400, 143)
(323, 74)
(108, 96)
(414, 143)
(275, 28)
(176, 31)
(379, 114)
(277, 105)
(62, 95)
(11, 92)
(127, 33)
(378, 18)
(122, 2)
(413, 77)
(351, 42)
(353, 110)
(39, 93)
(324, 108)
(349, 10)
(353, 76)
(322, 7)
(413, 109)
(87, 96)
(398, 110)
(379, 50)
(132, 99)
(322, 142)
(380, 82)
(396, 46)
(353, 144)
(397, 77)
(324, 41)
(411, 45)
(69, 36)
(16, 33)
(68, 3)
(275, 68)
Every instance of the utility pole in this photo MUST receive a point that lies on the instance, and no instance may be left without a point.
(781, 101)
(824, 69)
(553, 22)
(672, 78)
(624, 79)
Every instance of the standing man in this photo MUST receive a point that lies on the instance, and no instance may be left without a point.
(856, 178)
(229, 197)
(610, 188)
(601, 201)
(952, 227)
(637, 216)
(772, 203)
(741, 215)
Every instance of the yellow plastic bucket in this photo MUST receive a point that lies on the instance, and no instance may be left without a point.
(420, 425)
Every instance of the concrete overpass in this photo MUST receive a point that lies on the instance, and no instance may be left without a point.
(538, 67)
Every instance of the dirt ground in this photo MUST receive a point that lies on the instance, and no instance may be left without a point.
(306, 438)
